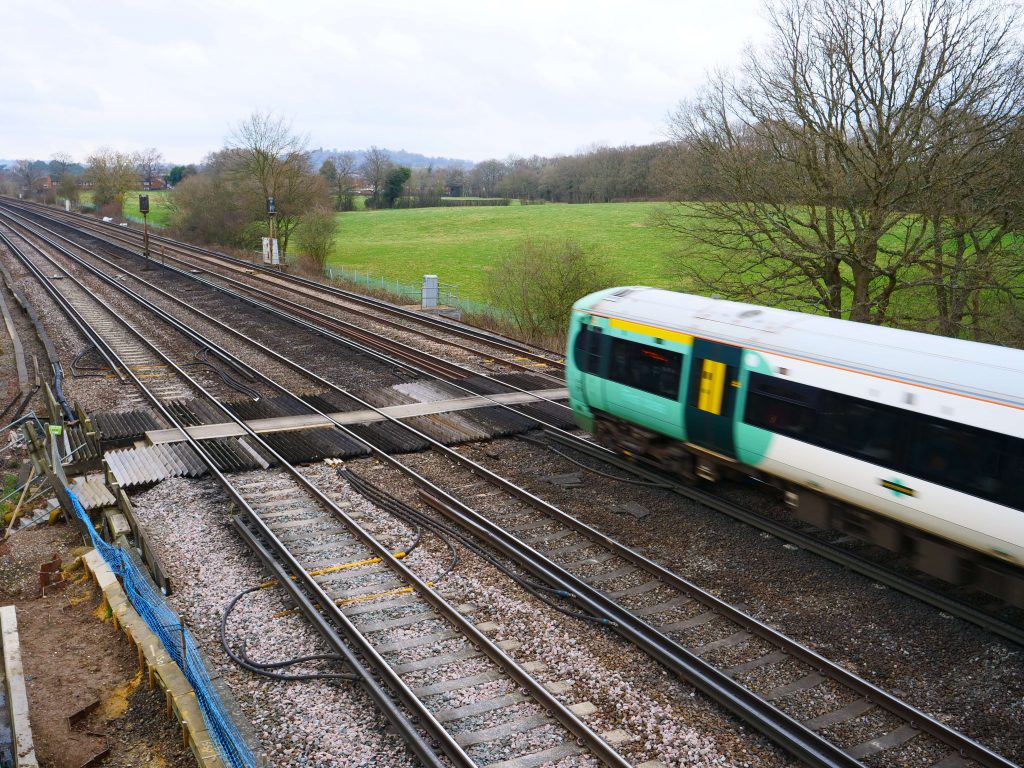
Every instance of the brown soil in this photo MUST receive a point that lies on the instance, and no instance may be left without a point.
(73, 657)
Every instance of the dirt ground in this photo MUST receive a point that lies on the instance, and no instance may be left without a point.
(73, 658)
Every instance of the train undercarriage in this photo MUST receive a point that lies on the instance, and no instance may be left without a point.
(945, 560)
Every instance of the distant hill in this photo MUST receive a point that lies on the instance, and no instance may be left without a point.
(398, 157)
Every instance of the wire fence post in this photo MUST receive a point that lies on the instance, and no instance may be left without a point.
(184, 649)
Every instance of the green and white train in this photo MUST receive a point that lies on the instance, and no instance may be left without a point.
(906, 440)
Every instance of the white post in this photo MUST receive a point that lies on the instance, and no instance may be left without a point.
(428, 299)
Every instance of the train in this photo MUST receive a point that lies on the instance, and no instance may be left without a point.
(902, 439)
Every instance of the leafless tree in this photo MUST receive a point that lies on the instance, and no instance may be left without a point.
(852, 153)
(537, 283)
(339, 171)
(316, 236)
(266, 153)
(60, 162)
(485, 177)
(375, 167)
(150, 164)
(65, 182)
(28, 174)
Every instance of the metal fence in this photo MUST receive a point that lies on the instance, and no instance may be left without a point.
(175, 637)
(448, 293)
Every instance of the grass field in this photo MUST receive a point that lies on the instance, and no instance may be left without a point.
(457, 244)
(159, 212)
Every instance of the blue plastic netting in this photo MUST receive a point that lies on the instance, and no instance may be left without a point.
(165, 624)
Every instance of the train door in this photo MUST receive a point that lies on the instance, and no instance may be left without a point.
(711, 396)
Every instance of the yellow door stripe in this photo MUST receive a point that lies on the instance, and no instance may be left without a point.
(650, 330)
(712, 387)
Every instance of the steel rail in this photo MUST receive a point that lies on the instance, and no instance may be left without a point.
(456, 368)
(563, 714)
(595, 600)
(34, 226)
(398, 718)
(276, 276)
(848, 560)
(798, 740)
(791, 734)
(64, 303)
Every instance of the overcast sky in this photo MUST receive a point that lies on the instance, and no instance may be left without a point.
(472, 80)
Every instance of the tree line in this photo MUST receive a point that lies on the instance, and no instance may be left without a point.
(110, 174)
(595, 175)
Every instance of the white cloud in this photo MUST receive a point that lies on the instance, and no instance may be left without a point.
(462, 79)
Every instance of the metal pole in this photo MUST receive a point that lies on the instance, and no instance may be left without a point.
(273, 236)
(145, 239)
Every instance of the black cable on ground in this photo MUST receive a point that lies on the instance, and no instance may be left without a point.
(202, 358)
(567, 457)
(24, 402)
(259, 668)
(10, 405)
(407, 515)
(405, 512)
(76, 366)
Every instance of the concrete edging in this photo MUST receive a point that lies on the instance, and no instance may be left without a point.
(17, 697)
(156, 663)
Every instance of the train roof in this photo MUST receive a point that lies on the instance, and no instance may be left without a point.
(967, 367)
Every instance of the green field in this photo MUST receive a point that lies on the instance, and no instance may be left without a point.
(159, 209)
(457, 244)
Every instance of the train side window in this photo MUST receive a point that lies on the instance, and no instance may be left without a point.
(587, 350)
(974, 461)
(782, 407)
(872, 431)
(1011, 473)
(959, 457)
(647, 368)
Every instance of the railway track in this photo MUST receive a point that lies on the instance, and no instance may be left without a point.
(937, 598)
(237, 272)
(714, 645)
(294, 527)
(611, 605)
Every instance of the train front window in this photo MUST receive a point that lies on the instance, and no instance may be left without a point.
(586, 350)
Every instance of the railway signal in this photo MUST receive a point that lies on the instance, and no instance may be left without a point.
(144, 210)
(270, 252)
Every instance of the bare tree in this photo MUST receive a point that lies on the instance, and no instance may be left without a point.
(150, 163)
(60, 162)
(339, 173)
(838, 165)
(536, 284)
(28, 174)
(345, 184)
(316, 236)
(486, 176)
(66, 183)
(266, 153)
(214, 207)
(375, 167)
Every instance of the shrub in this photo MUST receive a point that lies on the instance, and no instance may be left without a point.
(537, 283)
